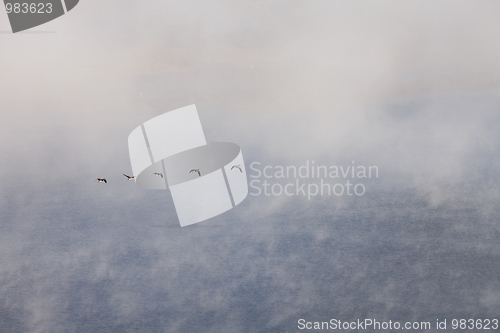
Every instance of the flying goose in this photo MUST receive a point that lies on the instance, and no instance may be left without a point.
(157, 174)
(101, 180)
(236, 166)
(196, 170)
(129, 177)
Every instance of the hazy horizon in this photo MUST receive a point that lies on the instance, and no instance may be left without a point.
(411, 87)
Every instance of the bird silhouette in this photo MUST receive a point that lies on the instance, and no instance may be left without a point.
(236, 166)
(101, 180)
(157, 174)
(196, 170)
(129, 177)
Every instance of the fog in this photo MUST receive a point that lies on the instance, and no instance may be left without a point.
(411, 87)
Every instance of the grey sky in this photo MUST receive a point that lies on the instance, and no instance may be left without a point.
(411, 87)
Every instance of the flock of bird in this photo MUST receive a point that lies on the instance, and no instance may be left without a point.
(159, 174)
